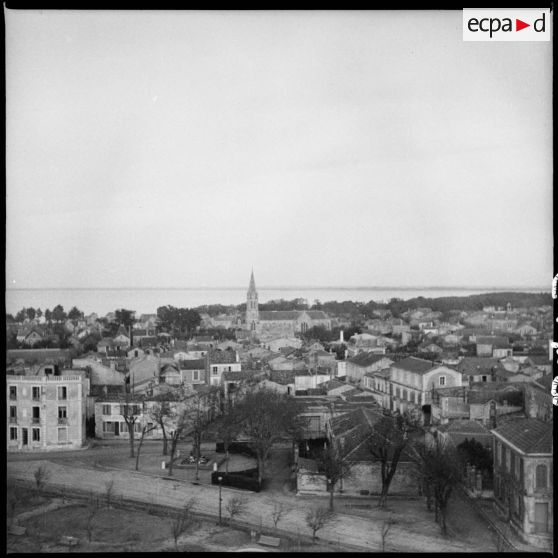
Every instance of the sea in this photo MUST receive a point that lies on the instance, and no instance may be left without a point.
(146, 301)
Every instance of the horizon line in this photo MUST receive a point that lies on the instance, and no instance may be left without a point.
(287, 288)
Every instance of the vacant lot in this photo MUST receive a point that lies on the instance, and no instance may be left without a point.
(100, 528)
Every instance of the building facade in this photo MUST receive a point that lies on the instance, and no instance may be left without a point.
(523, 492)
(46, 412)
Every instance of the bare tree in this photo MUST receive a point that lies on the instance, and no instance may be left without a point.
(235, 506)
(92, 510)
(13, 498)
(316, 518)
(201, 412)
(178, 422)
(42, 475)
(386, 526)
(130, 411)
(109, 491)
(440, 467)
(161, 413)
(229, 426)
(267, 417)
(386, 443)
(279, 510)
(179, 524)
(335, 467)
(145, 429)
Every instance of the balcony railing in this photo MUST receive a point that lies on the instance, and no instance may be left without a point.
(36, 420)
(13, 397)
(13, 420)
(62, 420)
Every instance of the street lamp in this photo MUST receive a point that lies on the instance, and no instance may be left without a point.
(220, 499)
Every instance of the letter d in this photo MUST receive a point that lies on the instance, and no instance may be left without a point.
(541, 19)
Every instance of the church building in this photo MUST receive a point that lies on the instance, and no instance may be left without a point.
(280, 323)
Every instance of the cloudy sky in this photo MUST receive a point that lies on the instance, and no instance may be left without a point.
(180, 149)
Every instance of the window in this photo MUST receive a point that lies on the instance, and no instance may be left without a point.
(36, 415)
(540, 476)
(512, 464)
(397, 392)
(36, 434)
(108, 426)
(13, 414)
(404, 394)
(13, 433)
(137, 427)
(483, 378)
(129, 409)
(62, 435)
(62, 415)
(13, 393)
(442, 380)
(195, 375)
(62, 392)
(106, 410)
(36, 393)
(215, 371)
(497, 453)
(507, 459)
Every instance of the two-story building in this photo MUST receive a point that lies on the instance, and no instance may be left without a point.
(219, 362)
(412, 381)
(523, 478)
(46, 412)
(364, 362)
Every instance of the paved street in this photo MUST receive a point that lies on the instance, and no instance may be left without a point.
(89, 470)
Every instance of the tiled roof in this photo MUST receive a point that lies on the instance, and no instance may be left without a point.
(545, 381)
(237, 375)
(285, 315)
(540, 360)
(122, 331)
(222, 357)
(198, 364)
(498, 342)
(529, 435)
(366, 358)
(386, 373)
(478, 365)
(464, 427)
(282, 376)
(414, 364)
(317, 315)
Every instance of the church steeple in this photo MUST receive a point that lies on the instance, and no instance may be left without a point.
(252, 287)
(252, 315)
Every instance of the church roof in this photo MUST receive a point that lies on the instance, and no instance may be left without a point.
(317, 314)
(279, 315)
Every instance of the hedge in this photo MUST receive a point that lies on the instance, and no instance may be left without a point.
(236, 447)
(247, 480)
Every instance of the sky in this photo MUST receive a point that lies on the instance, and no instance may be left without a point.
(183, 149)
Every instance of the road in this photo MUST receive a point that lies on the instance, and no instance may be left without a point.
(413, 531)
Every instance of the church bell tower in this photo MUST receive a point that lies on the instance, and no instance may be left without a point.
(252, 316)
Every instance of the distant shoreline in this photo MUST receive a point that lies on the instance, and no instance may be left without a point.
(280, 288)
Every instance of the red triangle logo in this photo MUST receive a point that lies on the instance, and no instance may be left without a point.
(519, 25)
